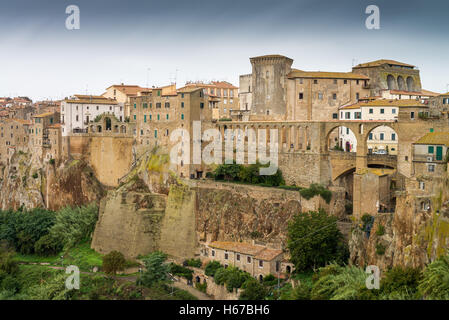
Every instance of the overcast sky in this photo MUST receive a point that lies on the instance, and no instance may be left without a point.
(207, 40)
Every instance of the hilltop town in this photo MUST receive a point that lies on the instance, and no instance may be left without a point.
(370, 145)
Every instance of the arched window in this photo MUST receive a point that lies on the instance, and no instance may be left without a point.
(401, 83)
(410, 84)
(391, 82)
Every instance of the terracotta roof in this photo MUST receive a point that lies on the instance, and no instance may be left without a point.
(435, 138)
(43, 115)
(55, 126)
(130, 90)
(271, 56)
(258, 251)
(188, 89)
(92, 101)
(414, 93)
(386, 103)
(295, 73)
(382, 62)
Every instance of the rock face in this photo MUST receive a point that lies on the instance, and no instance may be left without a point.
(28, 183)
(413, 237)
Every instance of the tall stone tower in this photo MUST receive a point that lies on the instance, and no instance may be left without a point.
(269, 84)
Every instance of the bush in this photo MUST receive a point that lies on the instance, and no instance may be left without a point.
(315, 190)
(253, 290)
(180, 271)
(74, 225)
(435, 282)
(380, 249)
(315, 240)
(201, 286)
(401, 281)
(196, 263)
(112, 262)
(380, 230)
(35, 175)
(232, 277)
(211, 268)
(47, 245)
(10, 283)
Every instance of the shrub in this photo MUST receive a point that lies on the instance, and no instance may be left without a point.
(180, 271)
(47, 245)
(112, 262)
(380, 249)
(401, 281)
(314, 240)
(201, 286)
(315, 190)
(35, 175)
(196, 263)
(435, 282)
(380, 230)
(253, 290)
(10, 283)
(211, 268)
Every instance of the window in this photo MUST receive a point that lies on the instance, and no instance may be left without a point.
(158, 117)
(345, 82)
(145, 105)
(371, 111)
(134, 117)
(335, 116)
(347, 130)
(357, 96)
(320, 96)
(182, 104)
(315, 81)
(393, 111)
(430, 149)
(202, 105)
(248, 259)
(182, 95)
(412, 115)
(226, 256)
(348, 115)
(213, 253)
(182, 116)
(159, 92)
(431, 168)
(357, 81)
(357, 115)
(382, 111)
(237, 257)
(393, 136)
(135, 106)
(155, 133)
(370, 136)
(77, 118)
(334, 96)
(167, 116)
(422, 185)
(167, 104)
(260, 264)
(144, 118)
(382, 136)
(300, 81)
(301, 96)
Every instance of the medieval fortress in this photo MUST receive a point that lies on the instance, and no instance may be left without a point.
(373, 136)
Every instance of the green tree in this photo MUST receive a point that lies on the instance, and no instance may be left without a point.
(253, 290)
(156, 269)
(314, 240)
(112, 262)
(211, 268)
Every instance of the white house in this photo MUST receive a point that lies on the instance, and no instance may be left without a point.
(78, 110)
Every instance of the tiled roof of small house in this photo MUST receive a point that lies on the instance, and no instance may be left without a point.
(441, 138)
(382, 62)
(258, 251)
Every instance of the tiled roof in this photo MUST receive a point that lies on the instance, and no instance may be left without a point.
(43, 115)
(270, 56)
(258, 251)
(55, 126)
(92, 101)
(435, 138)
(382, 62)
(415, 93)
(295, 73)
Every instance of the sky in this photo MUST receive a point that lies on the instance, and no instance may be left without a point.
(158, 42)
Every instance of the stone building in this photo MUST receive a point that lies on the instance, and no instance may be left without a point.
(79, 110)
(122, 94)
(383, 137)
(14, 136)
(222, 97)
(439, 105)
(257, 260)
(157, 114)
(391, 75)
(278, 92)
(430, 154)
(40, 142)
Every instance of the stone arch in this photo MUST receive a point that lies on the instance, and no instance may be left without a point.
(391, 82)
(401, 83)
(341, 137)
(108, 124)
(381, 139)
(123, 129)
(410, 84)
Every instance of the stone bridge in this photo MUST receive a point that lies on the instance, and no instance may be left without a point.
(304, 155)
(345, 162)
